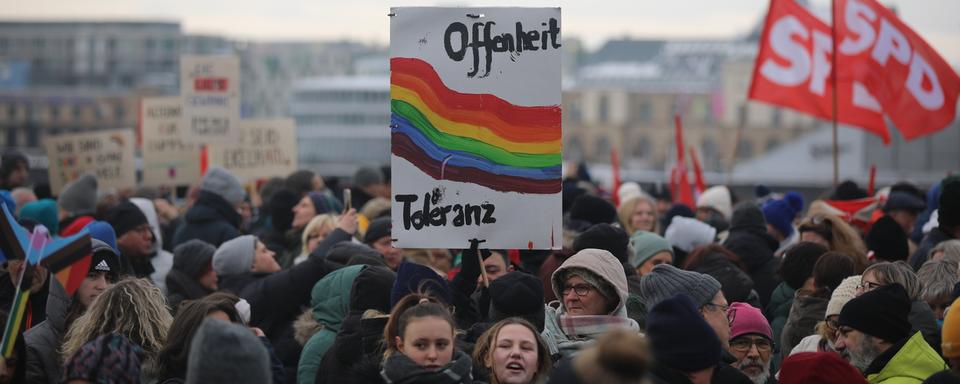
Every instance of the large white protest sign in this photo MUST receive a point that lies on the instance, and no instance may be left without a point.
(210, 87)
(106, 154)
(169, 156)
(266, 148)
(475, 127)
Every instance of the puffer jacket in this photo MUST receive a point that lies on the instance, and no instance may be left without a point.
(909, 362)
(749, 240)
(605, 266)
(778, 310)
(43, 341)
(211, 219)
(361, 333)
(805, 313)
(330, 300)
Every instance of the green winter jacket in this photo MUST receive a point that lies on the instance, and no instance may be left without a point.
(778, 310)
(330, 299)
(912, 364)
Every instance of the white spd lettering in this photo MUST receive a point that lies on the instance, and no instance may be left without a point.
(889, 42)
(802, 65)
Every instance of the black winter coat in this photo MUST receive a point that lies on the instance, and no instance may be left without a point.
(749, 240)
(211, 219)
(276, 299)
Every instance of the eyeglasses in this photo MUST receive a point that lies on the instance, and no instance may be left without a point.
(833, 324)
(731, 315)
(868, 286)
(579, 289)
(744, 344)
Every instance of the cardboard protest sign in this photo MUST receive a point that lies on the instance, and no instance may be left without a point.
(475, 127)
(169, 156)
(266, 148)
(106, 154)
(210, 87)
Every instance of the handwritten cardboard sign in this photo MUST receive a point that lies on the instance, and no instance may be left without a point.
(169, 156)
(106, 154)
(210, 87)
(266, 148)
(475, 127)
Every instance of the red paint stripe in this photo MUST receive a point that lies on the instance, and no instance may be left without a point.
(545, 117)
(407, 149)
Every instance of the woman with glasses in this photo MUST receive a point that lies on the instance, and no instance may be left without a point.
(826, 330)
(592, 290)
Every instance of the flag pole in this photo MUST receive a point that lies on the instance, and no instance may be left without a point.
(833, 73)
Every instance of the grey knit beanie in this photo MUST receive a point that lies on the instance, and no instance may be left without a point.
(665, 281)
(79, 197)
(235, 256)
(223, 183)
(223, 352)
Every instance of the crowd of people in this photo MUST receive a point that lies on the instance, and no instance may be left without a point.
(285, 281)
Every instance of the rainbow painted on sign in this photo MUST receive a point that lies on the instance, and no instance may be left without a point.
(472, 138)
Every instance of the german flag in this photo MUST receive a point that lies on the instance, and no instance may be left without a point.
(68, 259)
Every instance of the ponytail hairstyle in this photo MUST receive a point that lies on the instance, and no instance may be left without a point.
(408, 309)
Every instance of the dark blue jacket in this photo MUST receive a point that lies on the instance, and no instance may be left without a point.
(211, 219)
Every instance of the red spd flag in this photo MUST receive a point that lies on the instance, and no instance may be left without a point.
(793, 70)
(915, 86)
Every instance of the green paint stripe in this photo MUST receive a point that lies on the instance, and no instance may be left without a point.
(13, 324)
(476, 147)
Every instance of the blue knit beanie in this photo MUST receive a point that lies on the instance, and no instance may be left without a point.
(781, 213)
(414, 278)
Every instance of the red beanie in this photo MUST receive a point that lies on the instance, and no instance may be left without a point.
(818, 368)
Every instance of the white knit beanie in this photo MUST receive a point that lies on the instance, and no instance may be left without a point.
(717, 197)
(627, 191)
(686, 234)
(844, 293)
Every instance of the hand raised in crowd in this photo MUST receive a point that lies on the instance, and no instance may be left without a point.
(165, 210)
(348, 221)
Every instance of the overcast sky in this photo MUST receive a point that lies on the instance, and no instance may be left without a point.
(366, 20)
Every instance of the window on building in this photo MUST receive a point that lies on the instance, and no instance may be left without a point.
(601, 149)
(645, 112)
(777, 118)
(641, 149)
(772, 143)
(574, 149)
(742, 115)
(603, 109)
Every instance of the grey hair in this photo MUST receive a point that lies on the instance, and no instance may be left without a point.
(938, 277)
(897, 272)
(950, 249)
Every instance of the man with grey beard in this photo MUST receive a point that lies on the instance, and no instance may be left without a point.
(751, 342)
(873, 333)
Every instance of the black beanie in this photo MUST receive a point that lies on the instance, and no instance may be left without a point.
(377, 229)
(848, 190)
(281, 209)
(593, 210)
(193, 257)
(949, 214)
(125, 217)
(887, 240)
(880, 313)
(606, 237)
(517, 294)
(680, 337)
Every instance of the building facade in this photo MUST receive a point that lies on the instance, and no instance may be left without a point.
(342, 123)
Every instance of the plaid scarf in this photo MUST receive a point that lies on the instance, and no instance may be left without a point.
(589, 327)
